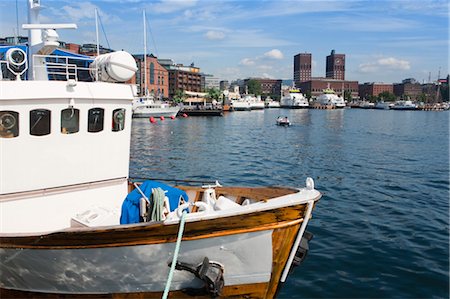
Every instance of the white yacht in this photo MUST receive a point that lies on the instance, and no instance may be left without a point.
(381, 105)
(240, 105)
(255, 102)
(294, 100)
(404, 105)
(330, 98)
(148, 107)
(271, 103)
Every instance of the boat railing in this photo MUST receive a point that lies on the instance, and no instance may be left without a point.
(64, 68)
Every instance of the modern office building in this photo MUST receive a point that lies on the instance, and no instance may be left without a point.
(335, 68)
(211, 82)
(302, 67)
(224, 85)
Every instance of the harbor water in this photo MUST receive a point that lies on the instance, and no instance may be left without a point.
(381, 230)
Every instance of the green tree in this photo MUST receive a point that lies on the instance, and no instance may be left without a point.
(386, 96)
(347, 95)
(179, 96)
(254, 87)
(213, 94)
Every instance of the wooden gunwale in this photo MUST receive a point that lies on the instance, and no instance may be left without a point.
(256, 290)
(156, 233)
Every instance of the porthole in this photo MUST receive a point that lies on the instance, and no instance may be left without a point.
(70, 121)
(95, 119)
(40, 120)
(9, 124)
(118, 120)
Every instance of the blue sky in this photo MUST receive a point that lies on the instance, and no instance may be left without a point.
(384, 41)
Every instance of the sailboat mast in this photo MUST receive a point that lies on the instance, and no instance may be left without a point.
(145, 54)
(96, 32)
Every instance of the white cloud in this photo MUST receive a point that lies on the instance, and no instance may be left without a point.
(388, 63)
(247, 62)
(267, 76)
(274, 54)
(215, 35)
(80, 11)
(265, 67)
(168, 6)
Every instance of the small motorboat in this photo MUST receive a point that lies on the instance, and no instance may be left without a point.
(283, 121)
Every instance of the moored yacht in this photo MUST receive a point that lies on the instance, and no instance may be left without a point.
(72, 222)
(381, 105)
(294, 99)
(271, 103)
(330, 98)
(148, 107)
(404, 105)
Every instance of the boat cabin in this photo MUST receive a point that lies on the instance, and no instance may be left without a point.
(64, 141)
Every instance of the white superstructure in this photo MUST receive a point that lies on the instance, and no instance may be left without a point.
(61, 138)
(294, 99)
(330, 98)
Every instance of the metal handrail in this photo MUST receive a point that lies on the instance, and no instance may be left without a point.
(64, 68)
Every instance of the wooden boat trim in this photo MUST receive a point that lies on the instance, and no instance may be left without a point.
(129, 235)
(255, 290)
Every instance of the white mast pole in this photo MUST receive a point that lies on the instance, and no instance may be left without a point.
(145, 54)
(96, 31)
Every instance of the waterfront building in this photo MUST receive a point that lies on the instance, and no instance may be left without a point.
(373, 89)
(74, 48)
(91, 50)
(181, 77)
(224, 85)
(13, 40)
(269, 87)
(211, 82)
(409, 88)
(157, 77)
(302, 67)
(315, 86)
(335, 68)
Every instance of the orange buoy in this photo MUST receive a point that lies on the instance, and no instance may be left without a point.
(172, 117)
(161, 118)
(184, 115)
(152, 120)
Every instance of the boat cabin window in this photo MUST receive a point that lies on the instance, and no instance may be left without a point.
(70, 121)
(9, 124)
(118, 120)
(95, 119)
(40, 122)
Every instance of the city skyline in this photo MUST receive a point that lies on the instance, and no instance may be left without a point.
(384, 41)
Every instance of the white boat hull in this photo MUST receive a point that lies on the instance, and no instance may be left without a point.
(156, 112)
(142, 268)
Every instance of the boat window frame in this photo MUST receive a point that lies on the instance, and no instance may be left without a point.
(101, 123)
(66, 126)
(10, 131)
(116, 126)
(40, 122)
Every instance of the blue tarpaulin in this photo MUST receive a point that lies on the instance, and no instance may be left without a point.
(130, 206)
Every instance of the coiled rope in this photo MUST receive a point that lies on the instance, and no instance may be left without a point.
(158, 195)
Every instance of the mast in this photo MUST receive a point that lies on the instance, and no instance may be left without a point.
(96, 31)
(145, 55)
